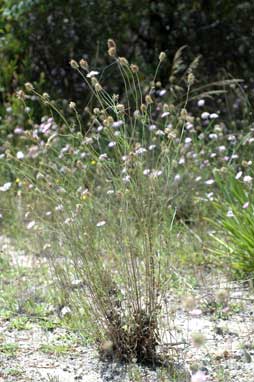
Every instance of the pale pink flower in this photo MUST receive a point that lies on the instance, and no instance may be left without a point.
(199, 376)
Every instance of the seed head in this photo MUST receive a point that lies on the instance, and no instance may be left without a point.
(111, 43)
(120, 107)
(29, 87)
(96, 111)
(112, 51)
(198, 339)
(74, 64)
(72, 105)
(184, 114)
(83, 64)
(162, 56)
(190, 79)
(189, 303)
(143, 108)
(136, 114)
(123, 61)
(108, 121)
(148, 99)
(134, 68)
(21, 94)
(97, 87)
(45, 96)
(222, 296)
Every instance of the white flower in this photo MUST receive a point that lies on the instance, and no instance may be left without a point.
(198, 178)
(152, 127)
(162, 92)
(165, 114)
(103, 157)
(65, 311)
(110, 192)
(188, 140)
(221, 148)
(99, 128)
(231, 138)
(246, 205)
(247, 179)
(151, 147)
(201, 102)
(111, 144)
(160, 133)
(20, 155)
(5, 187)
(213, 136)
(214, 116)
(209, 182)
(205, 115)
(92, 74)
(238, 175)
(117, 124)
(210, 196)
(126, 179)
(155, 173)
(30, 225)
(101, 223)
(199, 376)
(68, 221)
(141, 150)
(189, 126)
(177, 178)
(59, 207)
(230, 214)
(146, 171)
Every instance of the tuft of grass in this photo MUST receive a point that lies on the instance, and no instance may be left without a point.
(20, 323)
(234, 223)
(9, 349)
(56, 349)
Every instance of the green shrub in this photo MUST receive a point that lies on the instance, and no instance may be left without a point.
(40, 36)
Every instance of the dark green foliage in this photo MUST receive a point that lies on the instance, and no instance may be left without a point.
(41, 36)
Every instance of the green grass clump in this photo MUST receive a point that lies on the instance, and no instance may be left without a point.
(9, 349)
(235, 223)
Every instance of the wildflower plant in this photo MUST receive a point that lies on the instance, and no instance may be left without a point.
(103, 199)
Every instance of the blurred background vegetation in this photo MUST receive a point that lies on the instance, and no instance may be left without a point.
(38, 38)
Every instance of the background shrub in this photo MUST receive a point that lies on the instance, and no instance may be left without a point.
(39, 36)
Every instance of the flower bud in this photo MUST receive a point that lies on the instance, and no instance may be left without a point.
(162, 56)
(148, 99)
(97, 87)
(143, 108)
(29, 87)
(134, 68)
(123, 61)
(83, 64)
(74, 64)
(190, 78)
(72, 105)
(111, 43)
(120, 107)
(112, 51)
(20, 94)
